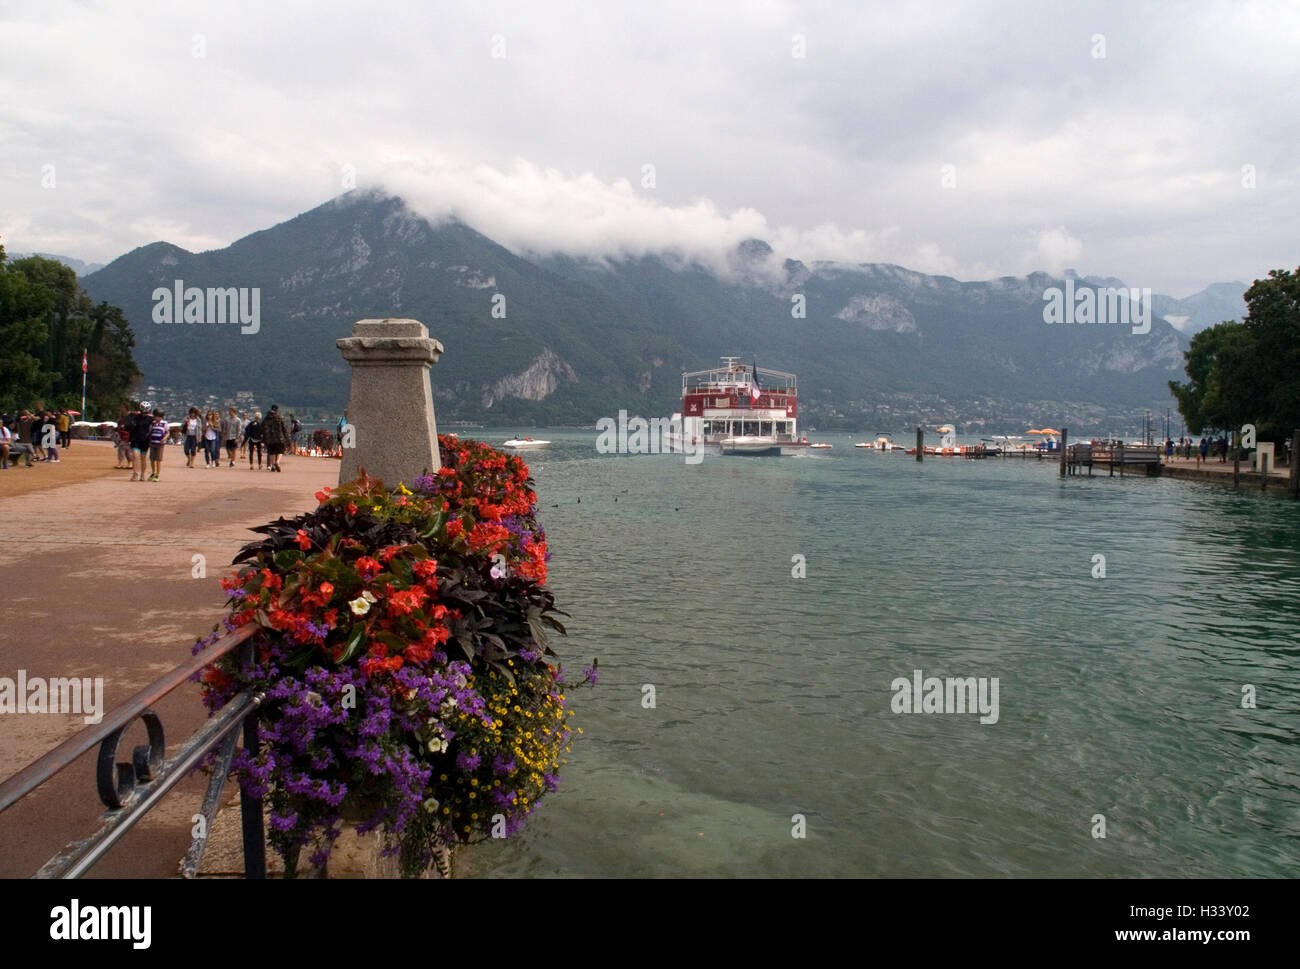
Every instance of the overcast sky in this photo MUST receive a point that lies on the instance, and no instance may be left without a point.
(824, 128)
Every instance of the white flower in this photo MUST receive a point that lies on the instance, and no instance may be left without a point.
(359, 607)
(369, 597)
(431, 805)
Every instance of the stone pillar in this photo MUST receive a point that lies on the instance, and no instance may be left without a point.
(390, 404)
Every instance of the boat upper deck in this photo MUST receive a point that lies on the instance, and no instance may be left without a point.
(734, 376)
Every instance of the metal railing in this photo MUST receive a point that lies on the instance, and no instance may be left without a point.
(131, 789)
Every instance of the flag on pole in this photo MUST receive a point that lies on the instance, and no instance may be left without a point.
(754, 389)
(83, 361)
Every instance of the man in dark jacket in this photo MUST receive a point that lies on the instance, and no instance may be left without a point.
(253, 439)
(140, 423)
(276, 435)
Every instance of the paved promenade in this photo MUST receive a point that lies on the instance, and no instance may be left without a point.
(96, 572)
(1220, 472)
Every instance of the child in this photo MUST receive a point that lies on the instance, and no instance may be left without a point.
(157, 438)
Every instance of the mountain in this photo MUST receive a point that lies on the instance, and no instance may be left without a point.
(877, 346)
(1214, 304)
(76, 265)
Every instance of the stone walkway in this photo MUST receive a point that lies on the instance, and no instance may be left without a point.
(1220, 472)
(97, 578)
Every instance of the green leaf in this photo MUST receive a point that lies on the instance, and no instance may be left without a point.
(401, 568)
(287, 558)
(355, 639)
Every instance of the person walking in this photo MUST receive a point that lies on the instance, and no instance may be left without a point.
(49, 435)
(342, 429)
(64, 424)
(295, 428)
(191, 430)
(158, 431)
(1204, 451)
(230, 428)
(212, 440)
(243, 443)
(276, 435)
(253, 439)
(141, 427)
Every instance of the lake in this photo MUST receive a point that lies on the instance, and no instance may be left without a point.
(773, 712)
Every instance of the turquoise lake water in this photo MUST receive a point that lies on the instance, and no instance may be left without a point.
(1118, 696)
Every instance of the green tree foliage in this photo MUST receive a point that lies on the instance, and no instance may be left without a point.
(46, 323)
(1248, 372)
(23, 335)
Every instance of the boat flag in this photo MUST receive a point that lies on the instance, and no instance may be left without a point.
(754, 389)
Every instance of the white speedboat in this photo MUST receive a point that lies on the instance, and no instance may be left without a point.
(526, 444)
(882, 443)
(749, 444)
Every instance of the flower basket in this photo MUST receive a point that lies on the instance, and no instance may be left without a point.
(403, 648)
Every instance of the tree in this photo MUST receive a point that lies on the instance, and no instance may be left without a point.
(1248, 372)
(46, 323)
(1202, 358)
(23, 334)
(1273, 321)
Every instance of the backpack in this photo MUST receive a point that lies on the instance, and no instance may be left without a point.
(297, 426)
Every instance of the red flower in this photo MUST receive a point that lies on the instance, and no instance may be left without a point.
(352, 508)
(403, 602)
(304, 542)
(454, 527)
(425, 568)
(487, 535)
(386, 555)
(367, 566)
(323, 495)
(327, 590)
(417, 653)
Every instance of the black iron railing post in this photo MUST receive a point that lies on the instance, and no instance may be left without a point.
(250, 811)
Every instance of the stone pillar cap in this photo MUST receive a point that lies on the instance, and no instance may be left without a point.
(389, 340)
(389, 326)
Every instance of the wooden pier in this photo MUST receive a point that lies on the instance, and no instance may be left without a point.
(1133, 457)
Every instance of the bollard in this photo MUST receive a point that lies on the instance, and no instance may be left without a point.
(393, 433)
(920, 441)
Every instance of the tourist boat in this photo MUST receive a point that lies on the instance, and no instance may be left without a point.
(738, 409)
(883, 442)
(526, 444)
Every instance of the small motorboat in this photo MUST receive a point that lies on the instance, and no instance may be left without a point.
(821, 446)
(526, 444)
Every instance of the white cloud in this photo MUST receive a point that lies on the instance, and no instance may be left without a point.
(1056, 249)
(832, 156)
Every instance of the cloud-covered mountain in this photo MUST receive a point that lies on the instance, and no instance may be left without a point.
(564, 339)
